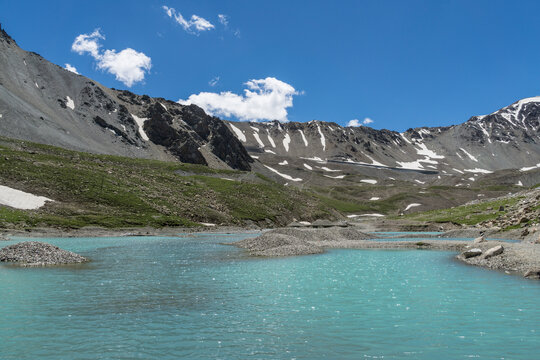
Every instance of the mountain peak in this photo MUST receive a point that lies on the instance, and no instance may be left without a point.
(4, 36)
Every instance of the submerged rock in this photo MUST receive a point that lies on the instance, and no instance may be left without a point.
(471, 253)
(494, 251)
(35, 253)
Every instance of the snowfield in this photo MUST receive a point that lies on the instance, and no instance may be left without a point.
(21, 200)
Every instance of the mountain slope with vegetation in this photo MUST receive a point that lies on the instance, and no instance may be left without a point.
(114, 192)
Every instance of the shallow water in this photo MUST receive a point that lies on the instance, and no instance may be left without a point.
(190, 297)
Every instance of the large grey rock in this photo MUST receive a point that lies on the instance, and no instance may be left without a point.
(494, 251)
(35, 253)
(471, 253)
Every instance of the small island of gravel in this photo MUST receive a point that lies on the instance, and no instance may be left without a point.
(35, 253)
(513, 257)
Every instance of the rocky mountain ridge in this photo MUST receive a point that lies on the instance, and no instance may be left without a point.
(42, 102)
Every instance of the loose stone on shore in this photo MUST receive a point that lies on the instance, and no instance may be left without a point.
(35, 253)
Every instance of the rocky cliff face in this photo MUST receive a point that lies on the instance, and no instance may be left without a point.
(42, 102)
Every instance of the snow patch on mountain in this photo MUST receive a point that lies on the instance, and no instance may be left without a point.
(140, 124)
(426, 152)
(479, 171)
(411, 206)
(369, 181)
(523, 169)
(308, 167)
(285, 176)
(286, 142)
(335, 177)
(469, 155)
(70, 103)
(239, 134)
(21, 200)
(304, 138)
(259, 141)
(329, 170)
(270, 139)
(323, 139)
(284, 162)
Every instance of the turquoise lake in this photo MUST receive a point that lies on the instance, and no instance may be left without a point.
(190, 297)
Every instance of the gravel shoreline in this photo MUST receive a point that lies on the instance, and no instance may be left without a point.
(512, 257)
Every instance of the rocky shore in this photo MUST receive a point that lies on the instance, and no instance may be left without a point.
(35, 253)
(512, 257)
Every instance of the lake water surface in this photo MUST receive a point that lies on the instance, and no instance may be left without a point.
(190, 297)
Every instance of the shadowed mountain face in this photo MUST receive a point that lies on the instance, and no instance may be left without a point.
(42, 102)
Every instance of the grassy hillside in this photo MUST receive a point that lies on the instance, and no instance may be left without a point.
(112, 192)
(467, 214)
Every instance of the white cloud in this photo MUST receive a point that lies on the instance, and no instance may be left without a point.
(224, 19)
(353, 123)
(264, 99)
(88, 43)
(195, 25)
(128, 66)
(214, 81)
(71, 68)
(356, 122)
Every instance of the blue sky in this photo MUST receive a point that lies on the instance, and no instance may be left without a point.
(400, 63)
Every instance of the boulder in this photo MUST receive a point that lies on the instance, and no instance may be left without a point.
(479, 240)
(471, 253)
(494, 251)
(532, 274)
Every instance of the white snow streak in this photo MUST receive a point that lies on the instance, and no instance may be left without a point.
(270, 139)
(257, 137)
(284, 162)
(286, 142)
(477, 170)
(308, 167)
(373, 215)
(374, 198)
(285, 176)
(323, 140)
(369, 181)
(329, 170)
(304, 137)
(335, 177)
(537, 166)
(469, 155)
(411, 206)
(239, 134)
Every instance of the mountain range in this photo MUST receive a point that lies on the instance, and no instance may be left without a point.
(45, 103)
